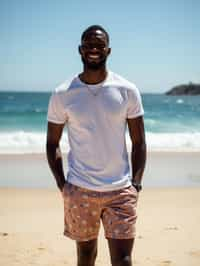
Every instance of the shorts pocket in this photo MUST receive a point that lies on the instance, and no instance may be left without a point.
(65, 189)
(134, 191)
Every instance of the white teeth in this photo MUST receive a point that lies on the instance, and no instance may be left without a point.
(94, 56)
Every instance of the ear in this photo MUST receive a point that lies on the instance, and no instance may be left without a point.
(80, 49)
(109, 51)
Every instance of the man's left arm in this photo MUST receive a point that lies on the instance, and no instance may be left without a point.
(138, 151)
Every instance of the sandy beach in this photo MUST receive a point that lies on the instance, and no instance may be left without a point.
(31, 224)
(31, 219)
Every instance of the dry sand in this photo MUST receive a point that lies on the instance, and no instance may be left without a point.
(31, 226)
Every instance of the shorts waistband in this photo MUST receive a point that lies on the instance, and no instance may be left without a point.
(86, 190)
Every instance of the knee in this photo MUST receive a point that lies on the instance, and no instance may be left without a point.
(122, 261)
(87, 257)
(87, 254)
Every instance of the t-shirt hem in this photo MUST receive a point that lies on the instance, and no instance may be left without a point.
(103, 188)
(136, 115)
(55, 121)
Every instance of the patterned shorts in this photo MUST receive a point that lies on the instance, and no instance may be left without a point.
(84, 209)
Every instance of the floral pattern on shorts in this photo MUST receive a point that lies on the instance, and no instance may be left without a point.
(84, 209)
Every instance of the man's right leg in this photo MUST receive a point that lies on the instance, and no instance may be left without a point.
(86, 252)
(82, 221)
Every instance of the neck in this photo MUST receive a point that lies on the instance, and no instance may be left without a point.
(93, 76)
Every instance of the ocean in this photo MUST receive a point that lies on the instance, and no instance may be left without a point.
(172, 123)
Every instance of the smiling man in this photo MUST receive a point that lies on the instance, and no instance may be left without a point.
(96, 106)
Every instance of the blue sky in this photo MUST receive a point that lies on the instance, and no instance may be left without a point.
(155, 44)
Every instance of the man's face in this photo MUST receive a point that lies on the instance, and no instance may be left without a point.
(94, 49)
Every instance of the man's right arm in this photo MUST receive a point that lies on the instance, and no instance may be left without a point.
(54, 156)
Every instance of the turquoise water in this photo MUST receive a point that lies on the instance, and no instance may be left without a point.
(23, 111)
(170, 121)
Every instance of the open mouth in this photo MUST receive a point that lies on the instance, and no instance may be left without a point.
(93, 56)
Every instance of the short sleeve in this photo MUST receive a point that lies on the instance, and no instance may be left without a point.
(135, 107)
(56, 112)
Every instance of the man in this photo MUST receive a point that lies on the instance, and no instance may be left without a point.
(96, 107)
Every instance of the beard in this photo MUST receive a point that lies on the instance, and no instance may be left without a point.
(93, 65)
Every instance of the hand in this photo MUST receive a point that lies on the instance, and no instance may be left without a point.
(137, 186)
(61, 188)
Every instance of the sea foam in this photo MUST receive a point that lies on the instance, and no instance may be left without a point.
(34, 142)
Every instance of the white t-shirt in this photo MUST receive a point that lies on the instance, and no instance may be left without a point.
(95, 116)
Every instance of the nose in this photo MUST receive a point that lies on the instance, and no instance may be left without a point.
(94, 48)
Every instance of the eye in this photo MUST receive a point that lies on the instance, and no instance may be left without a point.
(101, 46)
(98, 46)
(85, 46)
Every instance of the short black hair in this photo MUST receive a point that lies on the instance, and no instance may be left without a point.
(93, 28)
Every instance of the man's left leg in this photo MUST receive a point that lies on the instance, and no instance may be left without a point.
(119, 218)
(120, 251)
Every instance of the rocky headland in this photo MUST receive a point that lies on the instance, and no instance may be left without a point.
(185, 89)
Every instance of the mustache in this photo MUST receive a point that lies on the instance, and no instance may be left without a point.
(93, 65)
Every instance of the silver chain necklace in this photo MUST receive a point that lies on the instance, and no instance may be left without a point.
(95, 91)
